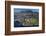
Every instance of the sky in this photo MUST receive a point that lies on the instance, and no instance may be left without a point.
(21, 9)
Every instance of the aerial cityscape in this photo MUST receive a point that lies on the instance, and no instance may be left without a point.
(26, 17)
